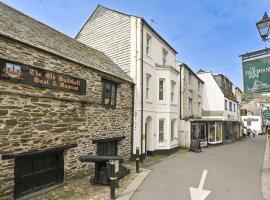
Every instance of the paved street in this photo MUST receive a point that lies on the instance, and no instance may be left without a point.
(234, 172)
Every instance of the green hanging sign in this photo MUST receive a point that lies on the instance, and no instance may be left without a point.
(256, 74)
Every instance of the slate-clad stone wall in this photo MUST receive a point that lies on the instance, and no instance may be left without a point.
(32, 118)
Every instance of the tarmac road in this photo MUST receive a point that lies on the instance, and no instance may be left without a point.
(234, 173)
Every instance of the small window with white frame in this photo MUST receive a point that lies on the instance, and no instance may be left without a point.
(173, 91)
(199, 109)
(164, 56)
(161, 89)
(161, 130)
(189, 79)
(148, 84)
(148, 43)
(173, 129)
(190, 106)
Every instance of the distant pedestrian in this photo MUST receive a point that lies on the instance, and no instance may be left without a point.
(253, 132)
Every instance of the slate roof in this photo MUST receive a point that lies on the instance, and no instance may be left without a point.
(143, 20)
(16, 25)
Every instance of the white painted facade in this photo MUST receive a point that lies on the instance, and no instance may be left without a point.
(214, 99)
(220, 111)
(142, 51)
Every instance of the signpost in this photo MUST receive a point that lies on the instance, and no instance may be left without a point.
(256, 75)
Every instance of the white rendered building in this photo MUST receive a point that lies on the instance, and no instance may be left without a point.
(151, 62)
(220, 108)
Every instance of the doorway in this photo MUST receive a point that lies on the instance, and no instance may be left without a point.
(148, 131)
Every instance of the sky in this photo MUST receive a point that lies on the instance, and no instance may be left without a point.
(208, 34)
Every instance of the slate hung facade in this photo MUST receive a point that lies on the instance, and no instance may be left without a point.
(57, 96)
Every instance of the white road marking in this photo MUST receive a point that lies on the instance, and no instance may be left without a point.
(199, 193)
(203, 179)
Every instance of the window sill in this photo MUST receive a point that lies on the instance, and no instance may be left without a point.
(149, 101)
(162, 103)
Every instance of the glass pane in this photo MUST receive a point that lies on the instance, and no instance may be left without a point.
(172, 130)
(161, 130)
(160, 95)
(219, 131)
(113, 95)
(212, 132)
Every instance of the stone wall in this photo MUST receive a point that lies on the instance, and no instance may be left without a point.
(32, 118)
(191, 91)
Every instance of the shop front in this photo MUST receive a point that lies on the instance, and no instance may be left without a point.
(199, 132)
(208, 131)
(215, 132)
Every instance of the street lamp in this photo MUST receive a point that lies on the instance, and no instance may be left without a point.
(263, 27)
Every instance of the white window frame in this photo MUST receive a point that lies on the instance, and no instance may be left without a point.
(189, 79)
(230, 106)
(199, 108)
(159, 89)
(148, 44)
(173, 84)
(226, 104)
(173, 130)
(164, 56)
(190, 102)
(147, 87)
(161, 131)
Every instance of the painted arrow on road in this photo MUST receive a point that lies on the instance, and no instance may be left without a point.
(199, 193)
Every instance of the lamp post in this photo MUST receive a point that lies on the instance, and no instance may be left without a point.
(263, 27)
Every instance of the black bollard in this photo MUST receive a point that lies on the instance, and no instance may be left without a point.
(137, 160)
(113, 179)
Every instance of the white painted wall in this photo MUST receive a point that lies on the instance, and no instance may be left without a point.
(256, 123)
(213, 98)
(120, 37)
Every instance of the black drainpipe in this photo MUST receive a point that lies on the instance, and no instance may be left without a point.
(132, 121)
(142, 125)
(180, 91)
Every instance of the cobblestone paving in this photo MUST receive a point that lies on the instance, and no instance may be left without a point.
(82, 190)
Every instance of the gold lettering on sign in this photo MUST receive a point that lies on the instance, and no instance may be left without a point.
(35, 73)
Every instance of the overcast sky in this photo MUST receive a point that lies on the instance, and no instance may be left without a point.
(208, 34)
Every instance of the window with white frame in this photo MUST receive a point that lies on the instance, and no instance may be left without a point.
(147, 89)
(161, 130)
(230, 106)
(173, 91)
(172, 129)
(164, 56)
(234, 107)
(226, 104)
(189, 79)
(161, 89)
(190, 106)
(199, 109)
(148, 43)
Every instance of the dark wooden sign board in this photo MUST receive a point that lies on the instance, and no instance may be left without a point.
(34, 76)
